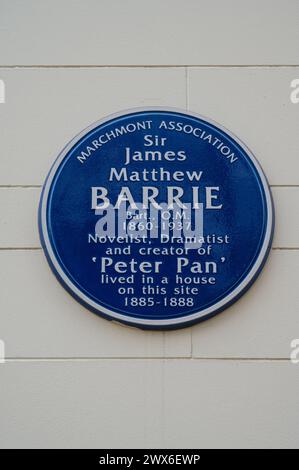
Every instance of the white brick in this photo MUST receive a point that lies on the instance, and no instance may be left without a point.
(46, 108)
(255, 105)
(231, 405)
(149, 404)
(43, 320)
(137, 32)
(286, 201)
(260, 324)
(19, 217)
(85, 404)
(38, 318)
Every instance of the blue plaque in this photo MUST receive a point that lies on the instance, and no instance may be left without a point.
(156, 218)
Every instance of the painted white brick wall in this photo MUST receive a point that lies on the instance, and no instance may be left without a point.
(72, 379)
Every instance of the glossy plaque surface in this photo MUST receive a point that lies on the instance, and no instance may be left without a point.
(157, 218)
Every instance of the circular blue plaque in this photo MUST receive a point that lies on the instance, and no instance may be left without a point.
(156, 218)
